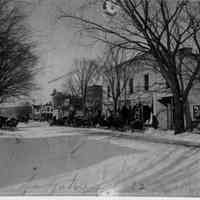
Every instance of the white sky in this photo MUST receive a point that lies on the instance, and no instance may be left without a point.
(57, 45)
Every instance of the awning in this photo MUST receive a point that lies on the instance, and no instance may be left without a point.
(165, 98)
(144, 98)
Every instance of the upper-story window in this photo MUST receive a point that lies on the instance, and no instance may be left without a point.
(108, 92)
(146, 82)
(131, 86)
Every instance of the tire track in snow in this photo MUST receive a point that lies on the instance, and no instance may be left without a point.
(149, 167)
(169, 166)
(166, 176)
(170, 176)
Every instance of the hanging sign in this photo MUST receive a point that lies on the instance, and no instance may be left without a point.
(196, 111)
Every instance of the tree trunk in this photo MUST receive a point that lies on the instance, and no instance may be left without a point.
(84, 105)
(115, 107)
(188, 118)
(178, 115)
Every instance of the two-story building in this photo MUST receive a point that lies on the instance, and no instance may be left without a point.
(147, 86)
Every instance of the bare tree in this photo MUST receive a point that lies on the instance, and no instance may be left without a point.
(70, 86)
(116, 73)
(83, 75)
(17, 57)
(160, 28)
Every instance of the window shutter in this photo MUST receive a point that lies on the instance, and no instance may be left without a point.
(146, 82)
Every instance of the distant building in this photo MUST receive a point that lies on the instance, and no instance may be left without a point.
(42, 112)
(75, 102)
(94, 97)
(16, 109)
(36, 112)
(47, 111)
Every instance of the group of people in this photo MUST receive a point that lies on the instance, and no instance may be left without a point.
(134, 116)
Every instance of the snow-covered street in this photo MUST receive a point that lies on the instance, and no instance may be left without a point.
(38, 159)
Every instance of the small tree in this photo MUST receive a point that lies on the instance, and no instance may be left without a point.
(84, 74)
(116, 72)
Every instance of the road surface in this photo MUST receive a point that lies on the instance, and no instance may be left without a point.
(43, 160)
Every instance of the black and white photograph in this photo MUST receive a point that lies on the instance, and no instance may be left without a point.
(100, 98)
